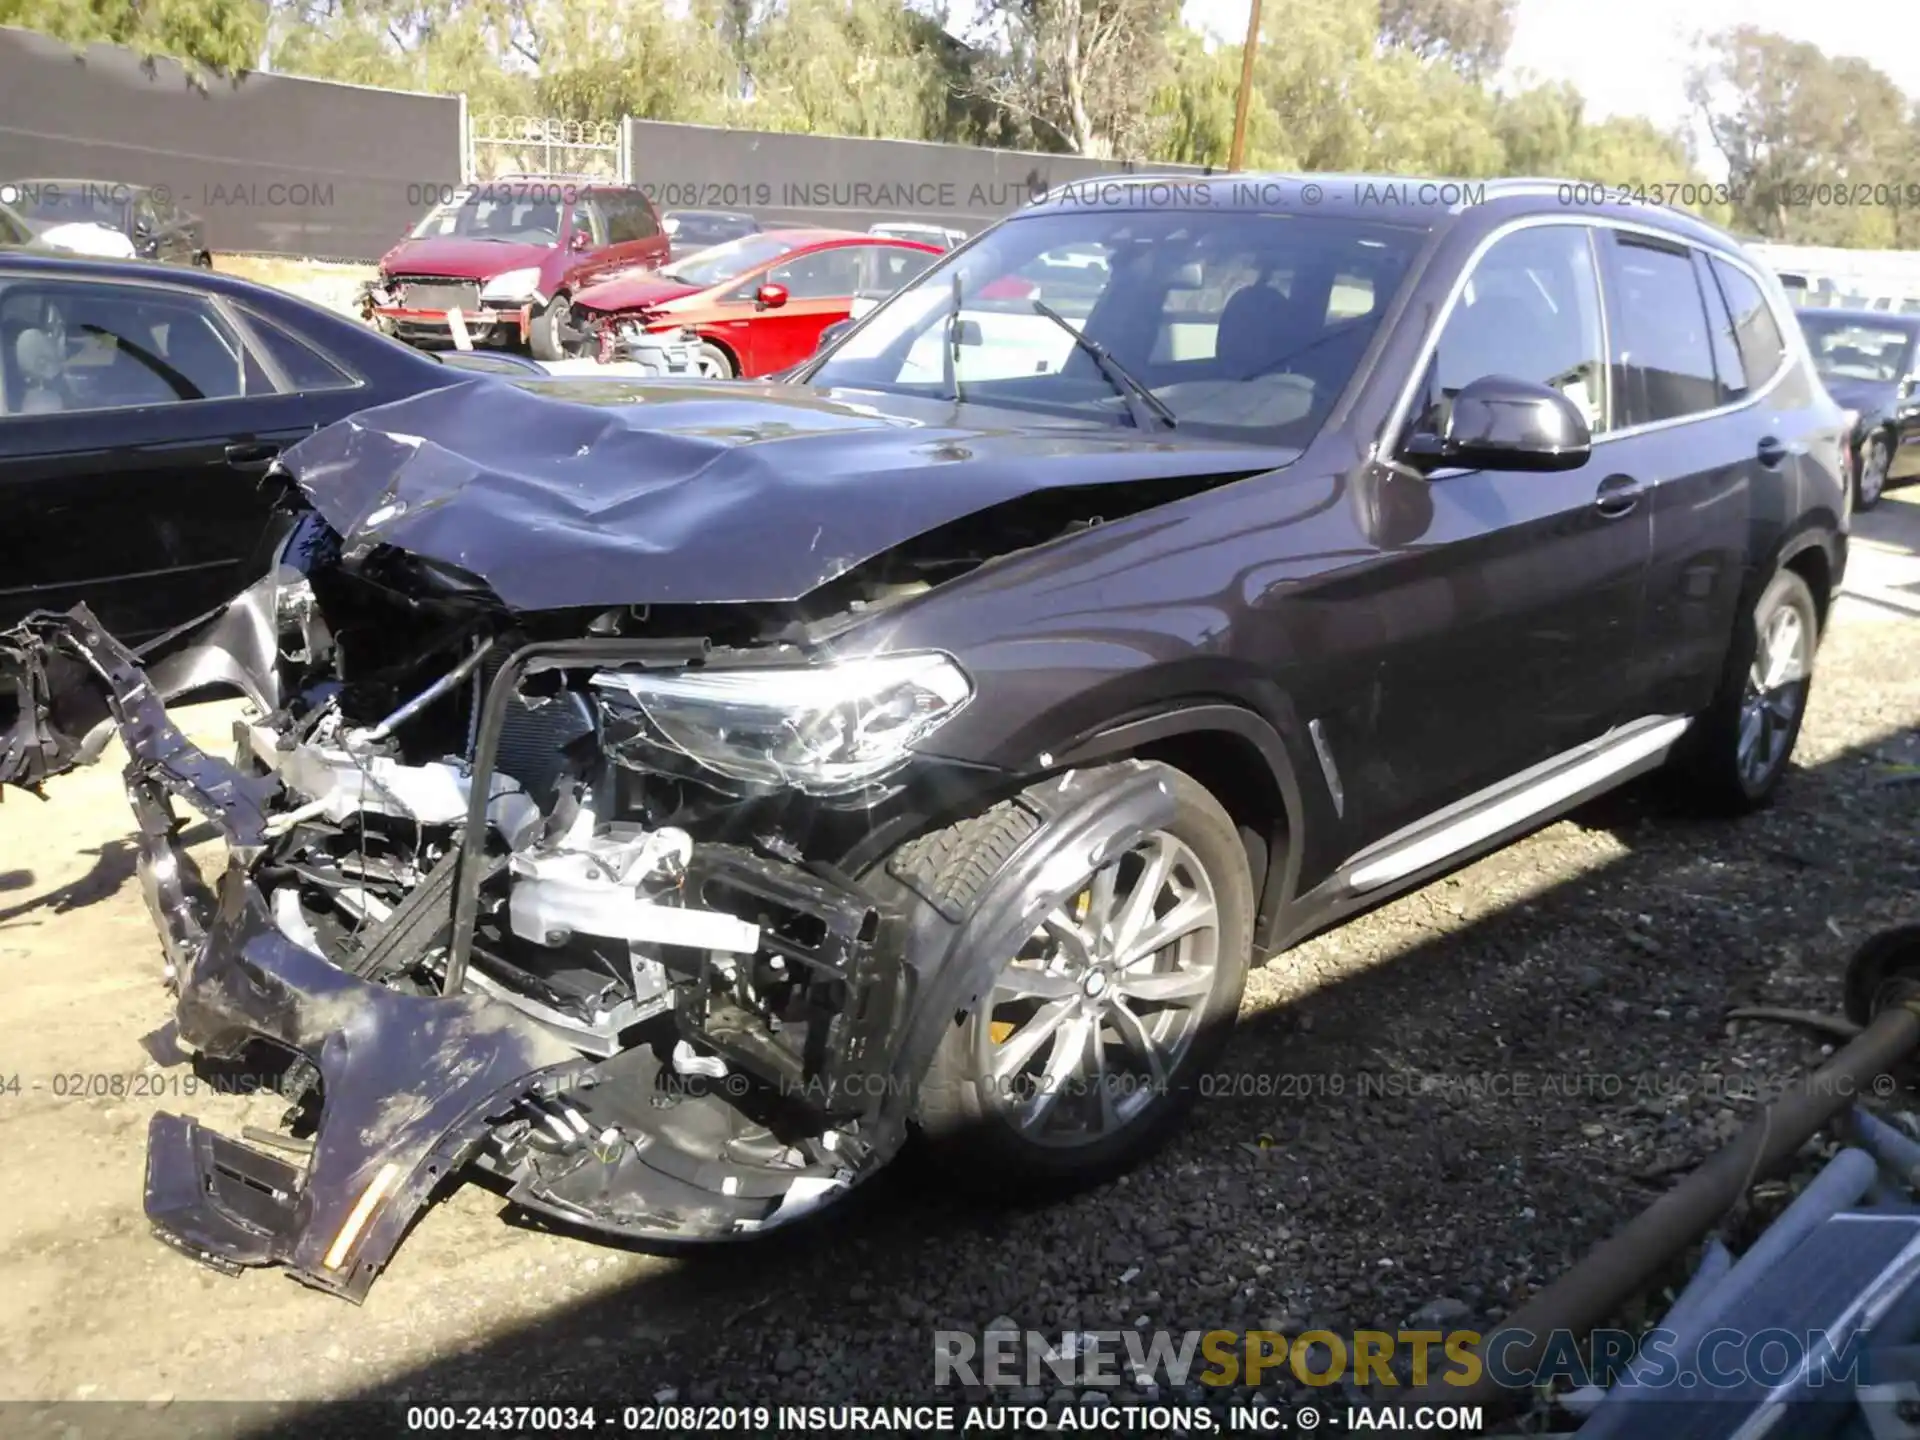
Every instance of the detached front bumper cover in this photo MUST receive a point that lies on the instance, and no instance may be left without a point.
(408, 1083)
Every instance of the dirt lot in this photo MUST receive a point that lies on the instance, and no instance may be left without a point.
(335, 285)
(1608, 945)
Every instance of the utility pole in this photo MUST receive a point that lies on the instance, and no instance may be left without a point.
(1238, 151)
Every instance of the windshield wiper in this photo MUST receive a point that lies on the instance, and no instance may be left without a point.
(1140, 400)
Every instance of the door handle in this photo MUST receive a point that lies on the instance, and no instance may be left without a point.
(251, 455)
(1617, 496)
(1772, 452)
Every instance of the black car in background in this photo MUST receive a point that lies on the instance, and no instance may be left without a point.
(139, 410)
(108, 220)
(692, 230)
(672, 796)
(1870, 362)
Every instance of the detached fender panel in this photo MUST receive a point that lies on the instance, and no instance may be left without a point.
(409, 1084)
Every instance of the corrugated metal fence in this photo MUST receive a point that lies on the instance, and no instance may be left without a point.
(283, 166)
(273, 164)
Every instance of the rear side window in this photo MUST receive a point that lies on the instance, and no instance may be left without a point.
(629, 216)
(1663, 355)
(1731, 368)
(304, 367)
(1762, 348)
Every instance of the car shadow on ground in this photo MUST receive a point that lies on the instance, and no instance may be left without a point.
(114, 863)
(1342, 1124)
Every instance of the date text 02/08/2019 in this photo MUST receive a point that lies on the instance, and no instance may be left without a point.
(928, 1419)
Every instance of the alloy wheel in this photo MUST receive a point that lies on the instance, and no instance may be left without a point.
(1775, 692)
(1085, 1026)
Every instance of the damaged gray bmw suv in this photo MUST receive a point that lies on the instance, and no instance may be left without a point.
(672, 798)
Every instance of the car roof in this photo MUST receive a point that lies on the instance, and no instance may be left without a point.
(84, 267)
(1425, 202)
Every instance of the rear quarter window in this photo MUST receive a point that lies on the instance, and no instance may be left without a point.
(1763, 349)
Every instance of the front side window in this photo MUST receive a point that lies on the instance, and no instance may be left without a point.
(820, 275)
(1663, 354)
(1239, 324)
(1763, 350)
(1529, 311)
(68, 347)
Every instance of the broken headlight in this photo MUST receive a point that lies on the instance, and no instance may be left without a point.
(823, 730)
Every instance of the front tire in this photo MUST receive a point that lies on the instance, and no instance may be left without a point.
(1084, 1054)
(547, 335)
(715, 363)
(1870, 480)
(1732, 760)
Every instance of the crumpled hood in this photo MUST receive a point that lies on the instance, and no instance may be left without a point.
(458, 256)
(577, 492)
(638, 291)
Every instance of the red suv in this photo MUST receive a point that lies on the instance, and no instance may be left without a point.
(758, 304)
(500, 251)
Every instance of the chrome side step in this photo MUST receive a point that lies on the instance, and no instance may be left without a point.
(1514, 803)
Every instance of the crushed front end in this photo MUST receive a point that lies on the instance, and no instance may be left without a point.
(659, 346)
(489, 912)
(587, 828)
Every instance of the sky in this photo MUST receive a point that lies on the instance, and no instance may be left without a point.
(1630, 57)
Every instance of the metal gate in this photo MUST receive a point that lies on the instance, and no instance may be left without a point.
(544, 145)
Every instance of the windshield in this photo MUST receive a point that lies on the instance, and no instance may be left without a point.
(1248, 325)
(723, 262)
(1845, 349)
(533, 219)
(47, 205)
(692, 228)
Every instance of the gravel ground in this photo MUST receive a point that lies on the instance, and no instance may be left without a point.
(1430, 1113)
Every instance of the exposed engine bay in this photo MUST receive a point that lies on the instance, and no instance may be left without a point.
(569, 910)
(642, 908)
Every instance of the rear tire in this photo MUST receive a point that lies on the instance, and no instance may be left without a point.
(1084, 1054)
(1732, 760)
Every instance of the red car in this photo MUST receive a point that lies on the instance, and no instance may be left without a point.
(757, 304)
(503, 252)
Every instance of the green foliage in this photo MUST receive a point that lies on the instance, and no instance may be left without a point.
(219, 35)
(1397, 86)
(1806, 139)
